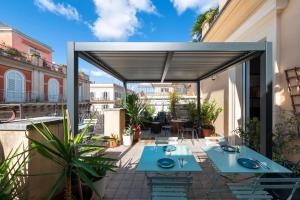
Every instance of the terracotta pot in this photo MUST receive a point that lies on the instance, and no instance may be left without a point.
(207, 132)
(113, 144)
(137, 132)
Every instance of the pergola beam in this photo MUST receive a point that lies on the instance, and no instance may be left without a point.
(169, 46)
(229, 64)
(166, 66)
(72, 86)
(266, 105)
(101, 65)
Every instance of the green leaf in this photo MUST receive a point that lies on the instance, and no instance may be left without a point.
(86, 180)
(57, 184)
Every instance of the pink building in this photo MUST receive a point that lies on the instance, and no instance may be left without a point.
(27, 74)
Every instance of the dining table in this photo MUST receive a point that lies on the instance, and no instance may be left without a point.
(184, 160)
(229, 163)
(177, 124)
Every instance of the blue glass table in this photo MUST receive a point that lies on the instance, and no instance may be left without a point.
(151, 154)
(226, 162)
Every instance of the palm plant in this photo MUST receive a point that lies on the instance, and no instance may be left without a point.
(11, 169)
(71, 155)
(192, 111)
(174, 99)
(209, 112)
(134, 109)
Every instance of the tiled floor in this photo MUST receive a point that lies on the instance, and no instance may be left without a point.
(126, 183)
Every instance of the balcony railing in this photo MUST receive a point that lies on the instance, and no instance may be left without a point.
(32, 59)
(96, 99)
(27, 97)
(32, 97)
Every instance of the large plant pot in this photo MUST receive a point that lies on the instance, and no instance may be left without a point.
(100, 186)
(137, 132)
(207, 132)
(127, 140)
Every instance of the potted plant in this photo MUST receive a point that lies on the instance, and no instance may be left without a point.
(134, 113)
(174, 99)
(209, 112)
(128, 136)
(70, 154)
(250, 134)
(101, 167)
(192, 111)
(12, 168)
(113, 141)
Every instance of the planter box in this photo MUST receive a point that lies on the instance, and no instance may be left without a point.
(100, 186)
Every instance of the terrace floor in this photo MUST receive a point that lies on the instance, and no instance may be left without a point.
(126, 183)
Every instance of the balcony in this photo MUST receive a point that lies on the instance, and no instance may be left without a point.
(31, 59)
(27, 97)
(10, 97)
(103, 100)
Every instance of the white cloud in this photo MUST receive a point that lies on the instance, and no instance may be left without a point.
(99, 73)
(198, 5)
(66, 10)
(117, 20)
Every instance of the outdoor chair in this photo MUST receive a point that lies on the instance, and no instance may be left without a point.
(166, 129)
(167, 188)
(166, 140)
(91, 129)
(188, 127)
(258, 189)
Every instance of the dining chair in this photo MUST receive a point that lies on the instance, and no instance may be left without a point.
(166, 187)
(259, 188)
(188, 127)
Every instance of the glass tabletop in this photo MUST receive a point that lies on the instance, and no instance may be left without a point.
(226, 162)
(151, 154)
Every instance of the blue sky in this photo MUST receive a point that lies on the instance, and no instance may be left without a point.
(55, 22)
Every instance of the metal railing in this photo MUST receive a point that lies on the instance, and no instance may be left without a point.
(7, 96)
(32, 59)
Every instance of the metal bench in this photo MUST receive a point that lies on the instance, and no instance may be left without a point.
(169, 188)
(258, 188)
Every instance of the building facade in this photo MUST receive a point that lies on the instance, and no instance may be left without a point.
(30, 83)
(157, 94)
(253, 21)
(104, 96)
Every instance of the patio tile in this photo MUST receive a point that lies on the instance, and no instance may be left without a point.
(128, 184)
(121, 194)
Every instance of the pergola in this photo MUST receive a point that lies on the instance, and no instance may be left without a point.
(132, 62)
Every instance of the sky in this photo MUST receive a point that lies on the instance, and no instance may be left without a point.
(55, 22)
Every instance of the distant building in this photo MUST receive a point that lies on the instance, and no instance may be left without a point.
(157, 94)
(104, 96)
(30, 83)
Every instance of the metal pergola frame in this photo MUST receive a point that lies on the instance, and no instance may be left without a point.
(249, 49)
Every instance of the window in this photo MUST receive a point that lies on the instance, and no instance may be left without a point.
(33, 51)
(104, 106)
(92, 94)
(14, 87)
(53, 90)
(105, 95)
(164, 90)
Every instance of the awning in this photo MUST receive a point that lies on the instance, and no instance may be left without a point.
(173, 62)
(169, 62)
